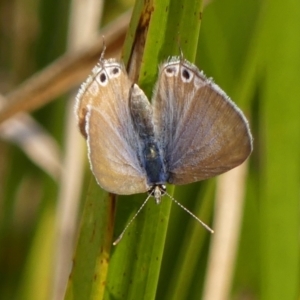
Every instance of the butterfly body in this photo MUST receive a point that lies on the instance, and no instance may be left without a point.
(142, 118)
(189, 132)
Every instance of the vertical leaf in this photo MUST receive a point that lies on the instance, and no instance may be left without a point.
(280, 122)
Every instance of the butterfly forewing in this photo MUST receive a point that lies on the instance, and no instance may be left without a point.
(113, 144)
(201, 131)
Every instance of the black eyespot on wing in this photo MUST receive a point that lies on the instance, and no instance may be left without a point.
(170, 70)
(103, 77)
(186, 74)
(115, 71)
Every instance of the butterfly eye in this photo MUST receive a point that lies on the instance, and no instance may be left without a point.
(186, 75)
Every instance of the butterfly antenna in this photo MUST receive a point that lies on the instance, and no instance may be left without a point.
(190, 213)
(103, 49)
(181, 56)
(126, 227)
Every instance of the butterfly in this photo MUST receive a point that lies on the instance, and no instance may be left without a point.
(191, 130)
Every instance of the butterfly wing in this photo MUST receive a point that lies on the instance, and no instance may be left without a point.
(201, 131)
(104, 119)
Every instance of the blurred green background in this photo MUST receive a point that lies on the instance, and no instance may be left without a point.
(252, 50)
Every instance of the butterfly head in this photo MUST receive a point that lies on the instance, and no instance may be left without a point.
(157, 191)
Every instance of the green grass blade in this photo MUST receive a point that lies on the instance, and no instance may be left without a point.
(138, 256)
(280, 60)
(91, 259)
